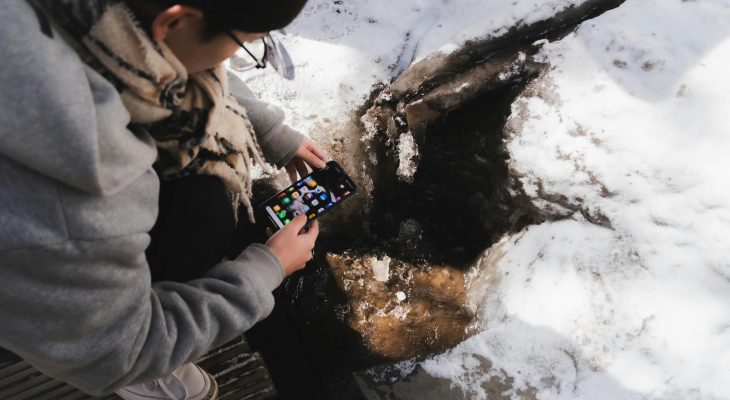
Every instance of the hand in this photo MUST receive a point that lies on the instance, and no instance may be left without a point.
(292, 246)
(307, 154)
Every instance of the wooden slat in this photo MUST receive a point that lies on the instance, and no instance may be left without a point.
(36, 390)
(241, 375)
(15, 374)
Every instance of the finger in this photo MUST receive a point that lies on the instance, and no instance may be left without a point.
(301, 168)
(312, 159)
(317, 151)
(291, 169)
(297, 223)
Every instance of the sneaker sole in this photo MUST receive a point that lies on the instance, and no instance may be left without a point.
(213, 393)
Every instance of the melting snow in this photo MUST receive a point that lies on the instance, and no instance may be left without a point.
(630, 123)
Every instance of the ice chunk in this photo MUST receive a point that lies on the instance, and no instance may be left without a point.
(407, 157)
(381, 269)
(400, 296)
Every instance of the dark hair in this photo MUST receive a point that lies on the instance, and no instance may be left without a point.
(251, 16)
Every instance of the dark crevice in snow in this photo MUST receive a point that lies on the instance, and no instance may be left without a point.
(442, 192)
(459, 200)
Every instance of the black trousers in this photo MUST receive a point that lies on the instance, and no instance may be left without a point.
(196, 229)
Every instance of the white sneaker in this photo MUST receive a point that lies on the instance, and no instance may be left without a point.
(188, 382)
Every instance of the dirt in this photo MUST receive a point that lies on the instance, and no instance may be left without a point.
(416, 309)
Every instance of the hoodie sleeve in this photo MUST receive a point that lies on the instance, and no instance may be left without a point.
(279, 142)
(78, 196)
(84, 311)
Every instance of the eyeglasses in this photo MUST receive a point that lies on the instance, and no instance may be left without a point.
(263, 52)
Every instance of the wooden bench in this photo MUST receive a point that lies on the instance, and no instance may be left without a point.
(240, 373)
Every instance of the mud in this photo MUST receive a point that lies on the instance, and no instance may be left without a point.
(402, 310)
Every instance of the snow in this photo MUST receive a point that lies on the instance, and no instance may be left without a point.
(630, 123)
(407, 154)
(341, 49)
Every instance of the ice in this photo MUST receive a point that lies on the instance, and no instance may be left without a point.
(407, 157)
(381, 269)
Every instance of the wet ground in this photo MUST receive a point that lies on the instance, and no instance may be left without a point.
(402, 310)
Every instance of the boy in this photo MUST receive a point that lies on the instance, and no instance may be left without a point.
(94, 92)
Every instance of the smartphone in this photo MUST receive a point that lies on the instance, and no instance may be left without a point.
(313, 196)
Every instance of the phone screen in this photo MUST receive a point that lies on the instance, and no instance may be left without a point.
(313, 196)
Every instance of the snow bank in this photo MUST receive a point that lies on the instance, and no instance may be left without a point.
(630, 123)
(343, 48)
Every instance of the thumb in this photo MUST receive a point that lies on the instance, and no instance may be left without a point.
(298, 223)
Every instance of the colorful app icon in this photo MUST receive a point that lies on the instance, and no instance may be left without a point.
(346, 194)
(323, 196)
(319, 189)
(291, 189)
(330, 204)
(277, 208)
(295, 195)
(311, 216)
(286, 221)
(296, 213)
(300, 183)
(315, 203)
(286, 201)
(305, 208)
(309, 196)
(339, 198)
(321, 210)
(282, 195)
(282, 214)
(312, 184)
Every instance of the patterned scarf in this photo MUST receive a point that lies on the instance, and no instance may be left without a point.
(198, 126)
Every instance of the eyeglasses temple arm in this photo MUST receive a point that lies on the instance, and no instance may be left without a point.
(259, 63)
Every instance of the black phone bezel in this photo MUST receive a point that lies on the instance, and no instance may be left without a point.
(261, 208)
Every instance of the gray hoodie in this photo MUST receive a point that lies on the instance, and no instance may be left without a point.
(78, 196)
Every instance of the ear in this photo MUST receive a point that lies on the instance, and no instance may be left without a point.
(172, 19)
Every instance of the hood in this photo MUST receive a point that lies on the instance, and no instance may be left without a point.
(59, 117)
